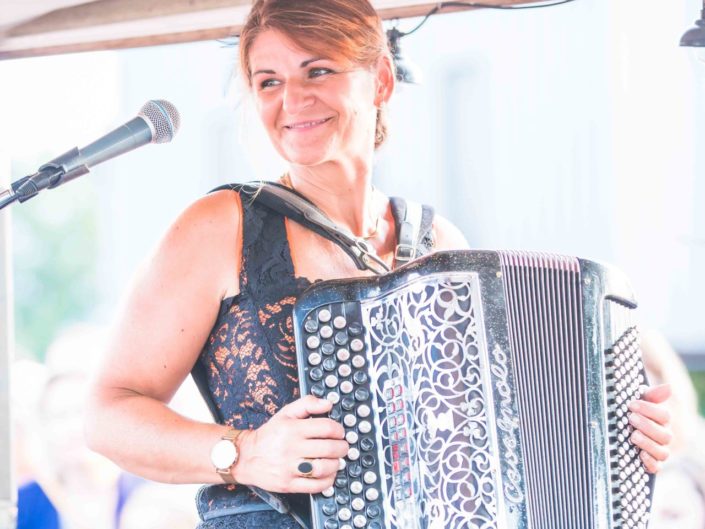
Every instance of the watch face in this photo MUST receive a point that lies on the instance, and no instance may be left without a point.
(223, 454)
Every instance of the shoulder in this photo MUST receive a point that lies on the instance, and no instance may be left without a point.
(447, 236)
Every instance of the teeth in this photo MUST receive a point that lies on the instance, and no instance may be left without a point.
(306, 125)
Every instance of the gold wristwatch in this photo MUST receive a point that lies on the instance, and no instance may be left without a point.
(225, 454)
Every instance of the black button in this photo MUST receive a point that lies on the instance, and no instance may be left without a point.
(368, 461)
(373, 511)
(341, 337)
(367, 444)
(355, 329)
(342, 498)
(355, 470)
(362, 394)
(348, 403)
(374, 525)
(316, 374)
(331, 524)
(360, 377)
(329, 508)
(335, 413)
(327, 348)
(341, 482)
(318, 390)
(329, 364)
(311, 325)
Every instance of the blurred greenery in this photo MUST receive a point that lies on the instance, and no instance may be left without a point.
(699, 383)
(54, 238)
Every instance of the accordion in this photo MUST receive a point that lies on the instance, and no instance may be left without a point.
(478, 389)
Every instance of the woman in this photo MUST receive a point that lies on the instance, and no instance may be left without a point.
(228, 273)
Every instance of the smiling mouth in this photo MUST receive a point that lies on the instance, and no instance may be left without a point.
(306, 124)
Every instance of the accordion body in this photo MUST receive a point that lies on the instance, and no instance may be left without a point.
(478, 389)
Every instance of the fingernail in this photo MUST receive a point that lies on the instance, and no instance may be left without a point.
(634, 405)
(636, 437)
(634, 419)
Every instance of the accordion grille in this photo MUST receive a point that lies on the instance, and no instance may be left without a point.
(545, 325)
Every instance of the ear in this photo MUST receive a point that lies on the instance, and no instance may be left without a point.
(385, 80)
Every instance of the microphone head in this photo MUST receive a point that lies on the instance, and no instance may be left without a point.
(163, 118)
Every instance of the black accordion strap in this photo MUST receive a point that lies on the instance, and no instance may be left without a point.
(414, 223)
(291, 204)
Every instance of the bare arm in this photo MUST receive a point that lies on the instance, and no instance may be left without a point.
(158, 338)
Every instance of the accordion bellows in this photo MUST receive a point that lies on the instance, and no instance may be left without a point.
(478, 389)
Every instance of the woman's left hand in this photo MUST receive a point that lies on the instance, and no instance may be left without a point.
(652, 433)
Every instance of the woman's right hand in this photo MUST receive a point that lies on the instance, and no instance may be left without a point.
(271, 454)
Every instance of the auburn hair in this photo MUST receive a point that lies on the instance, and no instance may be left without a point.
(337, 29)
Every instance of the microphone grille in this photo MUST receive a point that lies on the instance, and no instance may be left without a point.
(163, 118)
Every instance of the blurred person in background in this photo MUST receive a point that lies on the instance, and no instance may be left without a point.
(679, 496)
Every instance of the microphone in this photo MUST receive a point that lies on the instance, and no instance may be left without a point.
(157, 122)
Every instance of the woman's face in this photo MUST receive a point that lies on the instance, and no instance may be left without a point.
(315, 109)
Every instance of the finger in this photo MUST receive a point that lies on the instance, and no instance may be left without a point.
(655, 450)
(650, 464)
(309, 485)
(325, 449)
(305, 407)
(657, 394)
(656, 412)
(656, 432)
(321, 468)
(321, 428)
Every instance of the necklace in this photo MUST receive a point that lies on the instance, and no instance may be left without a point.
(286, 181)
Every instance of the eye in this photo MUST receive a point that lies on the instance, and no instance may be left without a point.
(268, 83)
(319, 72)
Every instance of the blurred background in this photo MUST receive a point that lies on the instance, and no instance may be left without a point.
(575, 129)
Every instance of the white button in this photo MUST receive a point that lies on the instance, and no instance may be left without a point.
(349, 420)
(343, 355)
(314, 359)
(365, 427)
(358, 504)
(331, 381)
(351, 437)
(357, 361)
(328, 492)
(341, 463)
(359, 521)
(344, 514)
(344, 370)
(339, 322)
(326, 331)
(371, 494)
(363, 410)
(333, 397)
(356, 345)
(369, 477)
(346, 386)
(324, 315)
(356, 487)
(353, 454)
(312, 342)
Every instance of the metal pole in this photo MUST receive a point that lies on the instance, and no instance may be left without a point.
(8, 493)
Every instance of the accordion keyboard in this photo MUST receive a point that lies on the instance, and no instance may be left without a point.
(335, 369)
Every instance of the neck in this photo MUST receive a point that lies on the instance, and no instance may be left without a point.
(344, 194)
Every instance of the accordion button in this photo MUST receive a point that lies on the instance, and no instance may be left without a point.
(359, 521)
(331, 381)
(316, 374)
(362, 394)
(343, 498)
(364, 427)
(329, 508)
(329, 364)
(371, 494)
(335, 413)
(363, 410)
(324, 315)
(373, 511)
(314, 359)
(353, 454)
(346, 386)
(374, 525)
(311, 325)
(312, 342)
(339, 322)
(341, 482)
(355, 329)
(344, 370)
(330, 524)
(360, 377)
(351, 437)
(349, 420)
(369, 477)
(328, 493)
(356, 487)
(343, 355)
(358, 361)
(341, 463)
(344, 514)
(333, 397)
(358, 504)
(326, 331)
(341, 337)
(327, 348)
(356, 345)
(355, 470)
(346, 526)
(348, 403)
(368, 460)
(318, 390)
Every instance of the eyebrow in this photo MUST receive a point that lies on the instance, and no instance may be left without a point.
(302, 65)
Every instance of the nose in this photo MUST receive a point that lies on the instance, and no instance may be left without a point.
(296, 97)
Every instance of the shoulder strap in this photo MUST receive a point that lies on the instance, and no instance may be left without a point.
(291, 204)
(414, 225)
